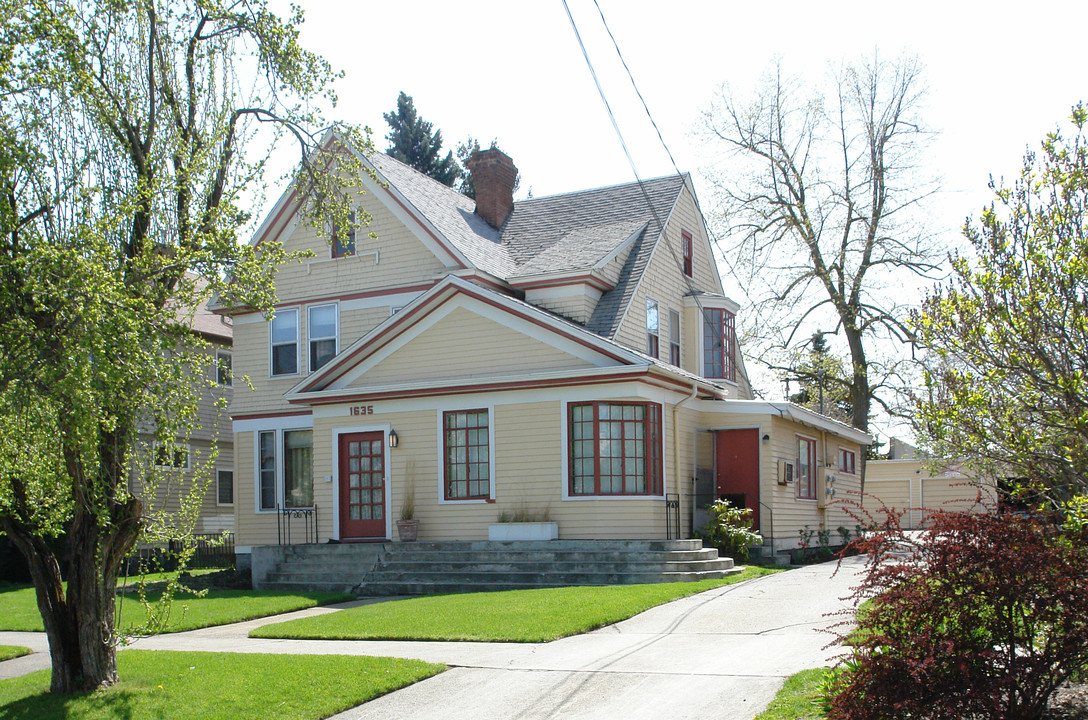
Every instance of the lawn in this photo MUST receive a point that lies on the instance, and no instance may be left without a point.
(19, 608)
(796, 699)
(513, 616)
(7, 652)
(218, 686)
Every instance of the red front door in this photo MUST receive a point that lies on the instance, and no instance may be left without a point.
(362, 486)
(738, 469)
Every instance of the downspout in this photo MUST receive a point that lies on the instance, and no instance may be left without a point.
(676, 434)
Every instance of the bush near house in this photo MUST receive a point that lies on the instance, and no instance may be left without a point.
(730, 530)
(980, 616)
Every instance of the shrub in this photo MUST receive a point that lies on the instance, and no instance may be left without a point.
(980, 616)
(730, 529)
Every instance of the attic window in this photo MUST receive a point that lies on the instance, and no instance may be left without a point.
(343, 243)
(685, 244)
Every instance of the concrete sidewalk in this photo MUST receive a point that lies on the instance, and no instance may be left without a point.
(721, 654)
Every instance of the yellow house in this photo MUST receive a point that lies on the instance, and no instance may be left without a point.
(571, 357)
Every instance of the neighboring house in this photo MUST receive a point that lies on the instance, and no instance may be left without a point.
(572, 355)
(178, 470)
(915, 484)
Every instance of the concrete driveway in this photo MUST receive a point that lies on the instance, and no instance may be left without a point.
(720, 654)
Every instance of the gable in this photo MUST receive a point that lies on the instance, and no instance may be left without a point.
(463, 345)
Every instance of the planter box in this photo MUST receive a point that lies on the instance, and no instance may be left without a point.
(506, 532)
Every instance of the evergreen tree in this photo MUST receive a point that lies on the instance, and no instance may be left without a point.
(820, 370)
(412, 142)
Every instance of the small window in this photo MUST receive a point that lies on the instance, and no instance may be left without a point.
(322, 330)
(674, 337)
(267, 459)
(847, 460)
(806, 468)
(685, 244)
(298, 464)
(223, 372)
(467, 444)
(343, 243)
(653, 331)
(224, 480)
(284, 338)
(174, 458)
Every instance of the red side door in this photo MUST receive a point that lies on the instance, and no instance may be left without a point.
(737, 473)
(362, 486)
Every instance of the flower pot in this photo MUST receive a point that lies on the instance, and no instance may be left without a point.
(407, 530)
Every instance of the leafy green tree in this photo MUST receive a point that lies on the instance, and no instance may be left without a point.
(123, 128)
(1007, 383)
(412, 142)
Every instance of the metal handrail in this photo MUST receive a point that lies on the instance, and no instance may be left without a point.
(672, 516)
(283, 524)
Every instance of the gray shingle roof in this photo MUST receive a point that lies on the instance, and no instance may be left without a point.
(555, 234)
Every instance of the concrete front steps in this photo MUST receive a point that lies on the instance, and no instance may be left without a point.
(443, 567)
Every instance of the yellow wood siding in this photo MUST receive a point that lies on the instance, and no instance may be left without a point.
(576, 302)
(168, 490)
(465, 345)
(917, 487)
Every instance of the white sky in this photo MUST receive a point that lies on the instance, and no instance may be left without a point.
(1000, 75)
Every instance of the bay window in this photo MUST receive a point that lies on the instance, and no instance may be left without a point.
(719, 344)
(614, 448)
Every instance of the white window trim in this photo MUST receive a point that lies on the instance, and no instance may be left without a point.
(815, 468)
(838, 465)
(679, 334)
(336, 433)
(298, 328)
(215, 367)
(657, 309)
(490, 454)
(289, 423)
(310, 338)
(564, 415)
(177, 446)
(233, 489)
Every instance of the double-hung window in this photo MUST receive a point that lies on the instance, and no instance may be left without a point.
(467, 452)
(719, 344)
(293, 452)
(321, 325)
(806, 468)
(224, 482)
(614, 448)
(284, 337)
(674, 337)
(172, 456)
(653, 328)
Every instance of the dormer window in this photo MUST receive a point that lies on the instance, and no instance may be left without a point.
(719, 344)
(343, 241)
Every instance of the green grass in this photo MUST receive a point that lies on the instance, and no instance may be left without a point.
(218, 686)
(19, 608)
(7, 652)
(795, 701)
(512, 616)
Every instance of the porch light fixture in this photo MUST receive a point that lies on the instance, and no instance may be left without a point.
(766, 439)
(393, 439)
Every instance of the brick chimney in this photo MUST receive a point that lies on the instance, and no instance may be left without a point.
(494, 175)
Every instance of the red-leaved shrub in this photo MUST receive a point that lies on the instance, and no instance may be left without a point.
(978, 616)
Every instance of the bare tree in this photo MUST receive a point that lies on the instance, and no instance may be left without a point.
(819, 206)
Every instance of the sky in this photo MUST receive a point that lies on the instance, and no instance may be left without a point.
(1000, 75)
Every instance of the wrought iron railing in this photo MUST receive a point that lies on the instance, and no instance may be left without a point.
(672, 516)
(305, 521)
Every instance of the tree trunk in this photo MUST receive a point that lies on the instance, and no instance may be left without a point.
(80, 623)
